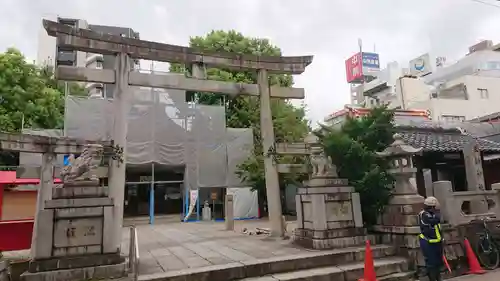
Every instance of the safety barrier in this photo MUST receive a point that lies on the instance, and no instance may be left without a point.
(479, 204)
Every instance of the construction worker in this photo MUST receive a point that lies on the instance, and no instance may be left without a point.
(431, 238)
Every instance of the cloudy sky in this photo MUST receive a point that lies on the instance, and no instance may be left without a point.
(399, 30)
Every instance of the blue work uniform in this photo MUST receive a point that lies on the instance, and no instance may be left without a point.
(431, 242)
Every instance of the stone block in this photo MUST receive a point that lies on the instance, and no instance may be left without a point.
(356, 210)
(413, 230)
(340, 224)
(328, 182)
(406, 199)
(76, 251)
(79, 192)
(78, 212)
(394, 215)
(44, 230)
(299, 210)
(4, 271)
(331, 243)
(336, 197)
(78, 203)
(107, 240)
(330, 233)
(325, 190)
(318, 212)
(339, 211)
(78, 232)
(77, 274)
(74, 262)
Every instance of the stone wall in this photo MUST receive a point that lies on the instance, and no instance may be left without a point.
(407, 245)
(4, 271)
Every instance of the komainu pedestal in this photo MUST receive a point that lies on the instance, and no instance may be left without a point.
(328, 209)
(71, 228)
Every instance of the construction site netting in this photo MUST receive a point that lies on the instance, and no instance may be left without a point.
(165, 129)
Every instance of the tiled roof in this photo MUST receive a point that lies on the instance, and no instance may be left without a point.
(439, 139)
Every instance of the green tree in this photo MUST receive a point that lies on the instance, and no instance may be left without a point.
(290, 123)
(352, 149)
(26, 96)
(30, 97)
(74, 88)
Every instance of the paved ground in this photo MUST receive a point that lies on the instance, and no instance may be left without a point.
(175, 246)
(490, 276)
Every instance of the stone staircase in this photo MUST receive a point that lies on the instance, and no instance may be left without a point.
(345, 264)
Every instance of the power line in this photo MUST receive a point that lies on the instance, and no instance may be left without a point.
(487, 3)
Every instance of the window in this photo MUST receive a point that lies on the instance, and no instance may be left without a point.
(452, 118)
(483, 93)
(98, 64)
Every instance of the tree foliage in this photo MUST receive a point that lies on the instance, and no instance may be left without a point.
(352, 149)
(26, 95)
(30, 97)
(289, 121)
(30, 94)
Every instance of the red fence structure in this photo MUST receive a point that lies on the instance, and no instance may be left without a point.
(16, 234)
(17, 211)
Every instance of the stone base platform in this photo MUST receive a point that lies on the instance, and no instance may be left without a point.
(345, 264)
(74, 262)
(331, 239)
(79, 274)
(407, 244)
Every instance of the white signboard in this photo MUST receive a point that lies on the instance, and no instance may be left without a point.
(193, 197)
(421, 66)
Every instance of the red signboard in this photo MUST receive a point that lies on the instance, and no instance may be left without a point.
(354, 68)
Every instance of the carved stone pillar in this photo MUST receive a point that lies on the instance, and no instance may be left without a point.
(328, 209)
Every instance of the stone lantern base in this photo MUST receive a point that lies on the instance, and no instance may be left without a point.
(399, 226)
(328, 215)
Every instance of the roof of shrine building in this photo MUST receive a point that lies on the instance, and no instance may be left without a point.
(439, 137)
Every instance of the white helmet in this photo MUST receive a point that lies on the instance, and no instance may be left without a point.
(431, 201)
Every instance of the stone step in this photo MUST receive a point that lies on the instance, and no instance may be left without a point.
(274, 265)
(339, 242)
(387, 269)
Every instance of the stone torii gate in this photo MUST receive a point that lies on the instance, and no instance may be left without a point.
(126, 49)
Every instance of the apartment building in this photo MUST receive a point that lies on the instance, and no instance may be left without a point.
(50, 53)
(460, 91)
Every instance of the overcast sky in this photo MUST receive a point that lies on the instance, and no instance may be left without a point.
(328, 29)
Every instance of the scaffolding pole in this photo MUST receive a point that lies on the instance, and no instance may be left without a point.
(152, 196)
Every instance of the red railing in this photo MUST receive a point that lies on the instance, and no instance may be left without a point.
(16, 235)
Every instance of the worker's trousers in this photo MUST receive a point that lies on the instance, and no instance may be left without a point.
(433, 256)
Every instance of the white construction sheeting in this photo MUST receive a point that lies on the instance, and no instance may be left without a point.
(246, 202)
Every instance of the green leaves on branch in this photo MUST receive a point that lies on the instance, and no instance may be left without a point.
(353, 148)
(289, 121)
(25, 94)
(30, 94)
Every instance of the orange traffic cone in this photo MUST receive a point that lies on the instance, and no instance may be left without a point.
(369, 272)
(474, 266)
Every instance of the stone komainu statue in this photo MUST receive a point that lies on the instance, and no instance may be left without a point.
(322, 164)
(85, 165)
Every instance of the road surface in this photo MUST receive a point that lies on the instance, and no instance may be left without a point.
(490, 276)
